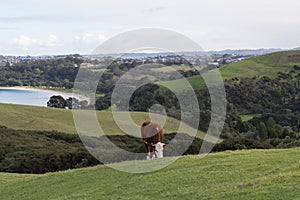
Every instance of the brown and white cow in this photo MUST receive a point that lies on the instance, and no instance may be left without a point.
(152, 134)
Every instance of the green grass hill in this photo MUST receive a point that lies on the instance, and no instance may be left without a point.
(251, 174)
(48, 119)
(266, 65)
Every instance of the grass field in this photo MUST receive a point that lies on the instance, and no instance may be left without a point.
(247, 174)
(265, 65)
(42, 118)
(248, 117)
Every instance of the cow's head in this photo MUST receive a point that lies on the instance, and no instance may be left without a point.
(159, 147)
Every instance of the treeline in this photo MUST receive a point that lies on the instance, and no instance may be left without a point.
(57, 101)
(277, 100)
(62, 72)
(59, 73)
(265, 95)
(41, 152)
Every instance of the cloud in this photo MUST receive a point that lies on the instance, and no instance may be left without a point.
(89, 40)
(25, 43)
(215, 24)
(154, 9)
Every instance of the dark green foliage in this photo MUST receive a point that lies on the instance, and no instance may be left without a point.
(57, 102)
(241, 143)
(265, 95)
(273, 128)
(102, 147)
(148, 95)
(70, 103)
(282, 118)
(296, 67)
(177, 144)
(73, 103)
(41, 152)
(144, 97)
(104, 102)
(58, 73)
(262, 131)
(181, 144)
(285, 133)
(286, 142)
(52, 72)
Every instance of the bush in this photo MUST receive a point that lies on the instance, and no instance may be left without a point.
(241, 143)
(41, 152)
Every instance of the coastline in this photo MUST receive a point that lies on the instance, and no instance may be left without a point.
(48, 90)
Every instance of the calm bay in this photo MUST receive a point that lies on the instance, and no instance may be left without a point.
(24, 96)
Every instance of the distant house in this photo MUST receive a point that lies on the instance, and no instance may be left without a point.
(214, 64)
(86, 65)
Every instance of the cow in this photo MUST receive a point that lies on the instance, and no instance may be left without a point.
(152, 134)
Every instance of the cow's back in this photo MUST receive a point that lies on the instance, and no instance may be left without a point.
(151, 132)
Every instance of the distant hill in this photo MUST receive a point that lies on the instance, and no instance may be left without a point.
(219, 52)
(265, 65)
(247, 174)
(247, 51)
(298, 48)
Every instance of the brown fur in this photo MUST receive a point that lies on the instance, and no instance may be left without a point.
(151, 135)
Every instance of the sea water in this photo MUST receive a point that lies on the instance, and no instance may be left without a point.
(27, 97)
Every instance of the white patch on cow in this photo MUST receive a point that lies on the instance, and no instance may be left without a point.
(159, 147)
(157, 129)
(148, 156)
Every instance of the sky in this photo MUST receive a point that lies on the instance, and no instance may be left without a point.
(40, 27)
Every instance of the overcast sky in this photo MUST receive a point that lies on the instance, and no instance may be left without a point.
(37, 27)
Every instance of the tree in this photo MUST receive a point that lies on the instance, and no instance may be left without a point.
(83, 103)
(103, 103)
(57, 102)
(273, 129)
(262, 131)
(72, 103)
(285, 133)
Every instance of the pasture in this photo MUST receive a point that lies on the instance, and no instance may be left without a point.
(48, 119)
(266, 65)
(246, 174)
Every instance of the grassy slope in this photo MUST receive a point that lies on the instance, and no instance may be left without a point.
(250, 116)
(42, 118)
(36, 118)
(251, 174)
(265, 65)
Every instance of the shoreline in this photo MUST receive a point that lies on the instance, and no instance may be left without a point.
(48, 90)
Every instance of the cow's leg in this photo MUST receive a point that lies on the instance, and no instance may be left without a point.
(152, 156)
(148, 157)
(147, 150)
(151, 150)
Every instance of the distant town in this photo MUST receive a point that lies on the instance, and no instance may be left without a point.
(216, 58)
